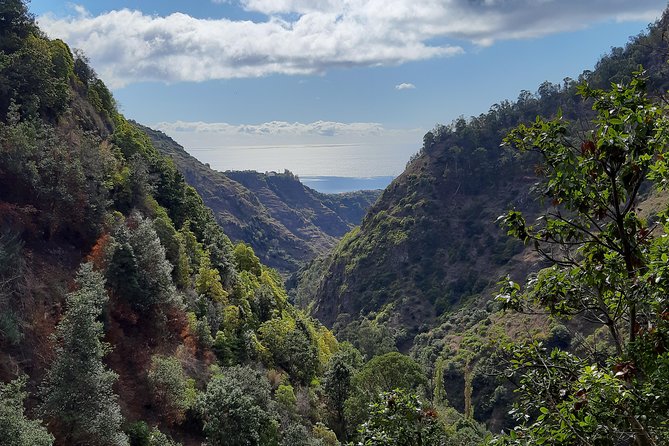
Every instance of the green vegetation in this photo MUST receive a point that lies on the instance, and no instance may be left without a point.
(401, 420)
(285, 222)
(381, 374)
(172, 390)
(128, 316)
(171, 333)
(168, 318)
(15, 428)
(607, 267)
(430, 246)
(338, 385)
(237, 409)
(420, 271)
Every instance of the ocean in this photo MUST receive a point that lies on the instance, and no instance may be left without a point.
(336, 185)
(328, 168)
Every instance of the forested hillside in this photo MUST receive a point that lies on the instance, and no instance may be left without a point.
(127, 315)
(520, 261)
(286, 222)
(422, 271)
(431, 243)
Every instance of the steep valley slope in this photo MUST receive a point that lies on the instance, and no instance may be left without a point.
(121, 298)
(430, 244)
(286, 222)
(421, 271)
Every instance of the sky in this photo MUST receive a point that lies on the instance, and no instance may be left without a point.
(221, 74)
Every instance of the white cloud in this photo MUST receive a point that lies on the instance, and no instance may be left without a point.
(217, 134)
(317, 128)
(405, 86)
(312, 36)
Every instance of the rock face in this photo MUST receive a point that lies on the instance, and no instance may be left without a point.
(286, 222)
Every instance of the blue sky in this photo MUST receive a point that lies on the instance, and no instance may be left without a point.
(216, 73)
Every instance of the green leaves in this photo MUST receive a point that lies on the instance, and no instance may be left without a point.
(515, 225)
(606, 268)
(401, 419)
(237, 410)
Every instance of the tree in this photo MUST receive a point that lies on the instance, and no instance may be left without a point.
(338, 384)
(246, 260)
(123, 274)
(291, 346)
(607, 266)
(440, 397)
(12, 267)
(285, 396)
(82, 68)
(15, 428)
(294, 433)
(384, 373)
(401, 419)
(78, 398)
(371, 338)
(155, 271)
(172, 390)
(208, 281)
(139, 271)
(29, 77)
(141, 435)
(175, 251)
(17, 24)
(237, 409)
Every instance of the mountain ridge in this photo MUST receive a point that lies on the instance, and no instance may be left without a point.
(286, 222)
(444, 206)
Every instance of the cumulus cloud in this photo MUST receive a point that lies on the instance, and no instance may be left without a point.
(313, 36)
(405, 86)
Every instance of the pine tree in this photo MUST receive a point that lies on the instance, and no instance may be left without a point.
(155, 271)
(123, 275)
(78, 398)
(15, 428)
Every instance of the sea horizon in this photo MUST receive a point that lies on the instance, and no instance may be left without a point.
(338, 185)
(326, 168)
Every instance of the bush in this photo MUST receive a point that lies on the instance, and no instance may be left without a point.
(285, 396)
(172, 390)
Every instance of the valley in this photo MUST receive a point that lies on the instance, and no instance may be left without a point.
(509, 287)
(285, 222)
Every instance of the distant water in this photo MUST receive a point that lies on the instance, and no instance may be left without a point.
(335, 185)
(329, 168)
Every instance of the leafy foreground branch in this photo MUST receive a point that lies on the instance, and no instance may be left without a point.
(608, 270)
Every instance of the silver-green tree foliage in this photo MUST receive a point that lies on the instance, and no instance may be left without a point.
(79, 401)
(237, 409)
(155, 271)
(608, 266)
(15, 428)
(139, 271)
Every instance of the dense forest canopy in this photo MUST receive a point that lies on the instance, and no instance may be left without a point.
(127, 316)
